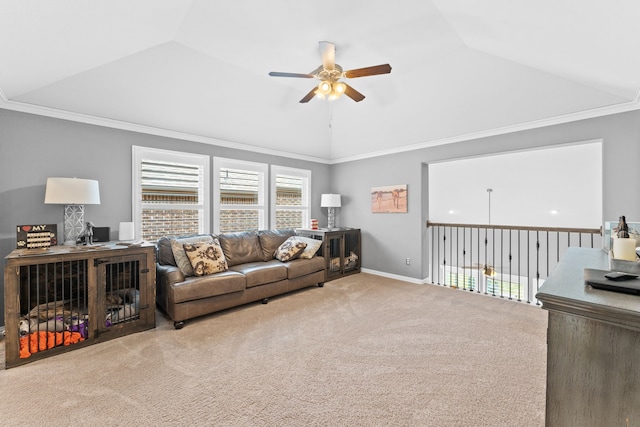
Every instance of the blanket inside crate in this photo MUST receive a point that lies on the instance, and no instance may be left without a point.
(39, 341)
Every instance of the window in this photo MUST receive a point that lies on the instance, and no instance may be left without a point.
(289, 197)
(239, 192)
(502, 284)
(170, 193)
(462, 278)
(511, 286)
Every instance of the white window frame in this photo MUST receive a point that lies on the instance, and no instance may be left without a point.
(141, 154)
(263, 196)
(305, 174)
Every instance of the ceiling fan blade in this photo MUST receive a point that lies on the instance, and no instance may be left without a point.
(316, 71)
(302, 75)
(352, 93)
(309, 96)
(368, 71)
(328, 54)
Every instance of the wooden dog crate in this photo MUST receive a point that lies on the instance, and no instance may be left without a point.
(341, 249)
(66, 297)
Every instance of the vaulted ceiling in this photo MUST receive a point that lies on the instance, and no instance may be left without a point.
(198, 69)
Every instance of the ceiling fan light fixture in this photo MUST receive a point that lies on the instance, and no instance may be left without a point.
(339, 88)
(324, 87)
(335, 94)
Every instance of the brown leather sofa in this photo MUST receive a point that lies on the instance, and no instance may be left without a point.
(253, 275)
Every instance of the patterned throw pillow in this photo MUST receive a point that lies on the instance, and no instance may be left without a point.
(312, 247)
(206, 258)
(177, 247)
(290, 249)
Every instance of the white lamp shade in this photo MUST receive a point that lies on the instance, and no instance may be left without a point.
(330, 201)
(72, 191)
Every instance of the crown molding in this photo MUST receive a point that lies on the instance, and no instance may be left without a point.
(566, 118)
(134, 127)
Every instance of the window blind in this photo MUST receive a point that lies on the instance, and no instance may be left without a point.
(239, 187)
(289, 190)
(164, 182)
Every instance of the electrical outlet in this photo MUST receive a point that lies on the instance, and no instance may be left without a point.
(408, 261)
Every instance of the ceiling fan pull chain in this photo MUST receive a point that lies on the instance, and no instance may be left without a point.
(331, 117)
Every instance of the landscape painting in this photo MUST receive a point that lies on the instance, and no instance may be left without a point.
(389, 199)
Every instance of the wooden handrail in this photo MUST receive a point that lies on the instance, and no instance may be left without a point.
(518, 227)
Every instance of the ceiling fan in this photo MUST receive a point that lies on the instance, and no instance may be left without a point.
(330, 73)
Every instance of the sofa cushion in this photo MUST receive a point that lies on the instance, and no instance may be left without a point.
(270, 240)
(165, 254)
(261, 272)
(301, 267)
(177, 247)
(312, 247)
(206, 257)
(240, 248)
(194, 288)
(290, 249)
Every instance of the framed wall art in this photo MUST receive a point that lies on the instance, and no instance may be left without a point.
(389, 199)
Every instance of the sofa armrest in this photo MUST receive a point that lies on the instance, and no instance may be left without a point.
(166, 275)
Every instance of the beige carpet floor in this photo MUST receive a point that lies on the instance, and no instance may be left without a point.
(362, 351)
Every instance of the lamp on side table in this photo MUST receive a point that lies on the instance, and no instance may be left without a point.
(330, 201)
(73, 193)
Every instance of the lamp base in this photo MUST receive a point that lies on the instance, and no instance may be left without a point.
(73, 223)
(331, 217)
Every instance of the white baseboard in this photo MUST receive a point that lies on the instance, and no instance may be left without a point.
(396, 276)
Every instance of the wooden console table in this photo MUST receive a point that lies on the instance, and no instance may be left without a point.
(66, 297)
(593, 347)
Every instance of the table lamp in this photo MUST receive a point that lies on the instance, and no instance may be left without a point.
(73, 193)
(330, 201)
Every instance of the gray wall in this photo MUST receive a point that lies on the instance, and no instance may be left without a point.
(33, 148)
(388, 239)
